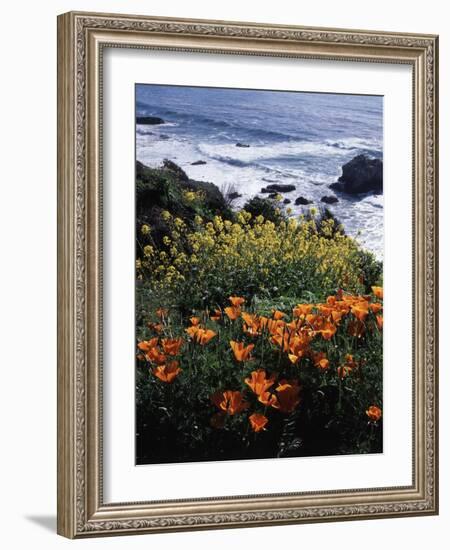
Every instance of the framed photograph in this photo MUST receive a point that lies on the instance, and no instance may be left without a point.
(247, 287)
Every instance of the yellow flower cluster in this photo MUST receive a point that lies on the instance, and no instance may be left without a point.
(194, 196)
(257, 245)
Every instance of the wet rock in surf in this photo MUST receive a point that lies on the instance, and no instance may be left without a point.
(176, 170)
(149, 120)
(361, 175)
(278, 188)
(329, 199)
(302, 201)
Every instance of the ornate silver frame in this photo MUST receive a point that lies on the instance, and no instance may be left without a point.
(81, 38)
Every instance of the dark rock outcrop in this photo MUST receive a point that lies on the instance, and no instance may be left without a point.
(164, 189)
(302, 201)
(239, 144)
(329, 199)
(278, 188)
(149, 120)
(198, 162)
(214, 201)
(361, 175)
(287, 201)
(176, 170)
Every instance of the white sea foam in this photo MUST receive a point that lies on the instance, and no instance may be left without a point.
(284, 150)
(251, 168)
(355, 143)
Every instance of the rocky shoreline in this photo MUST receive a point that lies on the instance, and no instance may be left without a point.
(360, 176)
(168, 188)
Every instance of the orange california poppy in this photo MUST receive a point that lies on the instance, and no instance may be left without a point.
(250, 330)
(380, 322)
(323, 364)
(147, 345)
(299, 343)
(258, 422)
(250, 318)
(231, 402)
(294, 359)
(281, 338)
(343, 371)
(258, 381)
(350, 361)
(232, 312)
(336, 316)
(267, 398)
(162, 312)
(236, 301)
(316, 356)
(251, 325)
(302, 309)
(298, 346)
(325, 310)
(275, 326)
(241, 352)
(287, 396)
(263, 321)
(378, 291)
(374, 413)
(171, 346)
(203, 336)
(313, 320)
(195, 321)
(360, 310)
(277, 315)
(349, 365)
(295, 324)
(192, 331)
(157, 327)
(376, 307)
(154, 355)
(327, 331)
(167, 373)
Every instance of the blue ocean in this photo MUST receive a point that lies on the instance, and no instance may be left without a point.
(292, 137)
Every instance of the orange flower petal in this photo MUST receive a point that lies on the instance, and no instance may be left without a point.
(258, 422)
(374, 413)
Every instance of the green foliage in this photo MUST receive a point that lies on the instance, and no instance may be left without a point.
(371, 270)
(267, 208)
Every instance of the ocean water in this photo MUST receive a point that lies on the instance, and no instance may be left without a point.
(294, 138)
